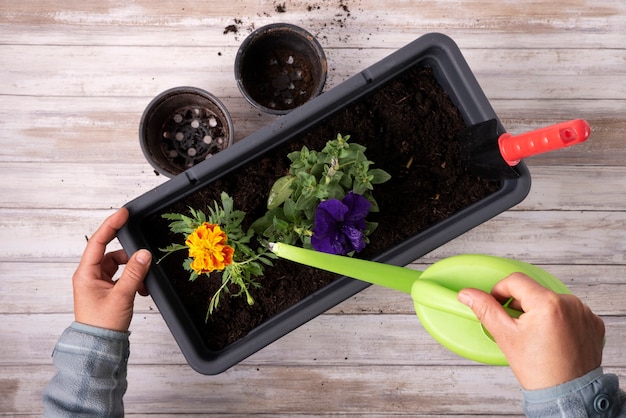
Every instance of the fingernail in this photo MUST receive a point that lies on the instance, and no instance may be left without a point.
(143, 257)
(465, 299)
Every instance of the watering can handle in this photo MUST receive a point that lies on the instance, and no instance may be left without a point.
(433, 295)
(516, 147)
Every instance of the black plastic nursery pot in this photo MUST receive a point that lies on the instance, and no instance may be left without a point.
(431, 64)
(279, 67)
(183, 126)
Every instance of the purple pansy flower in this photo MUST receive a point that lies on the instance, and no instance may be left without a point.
(340, 225)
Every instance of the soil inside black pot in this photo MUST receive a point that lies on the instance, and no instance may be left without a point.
(409, 128)
(281, 80)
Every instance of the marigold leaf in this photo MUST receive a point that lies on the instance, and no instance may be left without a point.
(266, 261)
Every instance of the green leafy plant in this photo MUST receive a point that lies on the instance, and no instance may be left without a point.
(339, 168)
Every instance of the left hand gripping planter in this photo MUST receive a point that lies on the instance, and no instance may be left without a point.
(342, 109)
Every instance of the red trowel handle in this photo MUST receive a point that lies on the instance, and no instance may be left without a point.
(561, 135)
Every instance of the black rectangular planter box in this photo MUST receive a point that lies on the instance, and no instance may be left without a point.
(451, 71)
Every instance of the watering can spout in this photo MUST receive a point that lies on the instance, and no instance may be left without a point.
(392, 277)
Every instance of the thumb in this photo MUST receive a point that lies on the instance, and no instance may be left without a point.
(131, 280)
(488, 311)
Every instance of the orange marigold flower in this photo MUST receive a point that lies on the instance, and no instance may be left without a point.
(207, 247)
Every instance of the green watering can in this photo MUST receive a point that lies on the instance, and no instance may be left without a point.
(434, 292)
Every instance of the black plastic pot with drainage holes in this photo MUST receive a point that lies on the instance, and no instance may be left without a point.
(182, 127)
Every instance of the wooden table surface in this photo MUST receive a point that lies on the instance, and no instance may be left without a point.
(75, 77)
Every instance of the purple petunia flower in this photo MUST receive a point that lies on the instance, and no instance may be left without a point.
(339, 226)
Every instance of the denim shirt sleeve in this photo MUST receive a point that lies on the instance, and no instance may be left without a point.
(593, 395)
(91, 367)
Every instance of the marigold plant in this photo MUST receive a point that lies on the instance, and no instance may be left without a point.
(208, 248)
(217, 243)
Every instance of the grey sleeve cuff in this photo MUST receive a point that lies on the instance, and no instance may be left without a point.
(593, 395)
(99, 332)
(91, 367)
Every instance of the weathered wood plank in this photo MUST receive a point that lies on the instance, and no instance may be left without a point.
(329, 339)
(476, 23)
(289, 390)
(33, 287)
(542, 237)
(324, 390)
(503, 73)
(75, 185)
(545, 238)
(54, 185)
(575, 188)
(63, 238)
(40, 288)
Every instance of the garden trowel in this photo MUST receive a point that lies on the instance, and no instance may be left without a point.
(493, 156)
(434, 292)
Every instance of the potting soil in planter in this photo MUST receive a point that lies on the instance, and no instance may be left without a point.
(409, 128)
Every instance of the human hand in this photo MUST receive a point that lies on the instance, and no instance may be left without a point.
(98, 300)
(555, 340)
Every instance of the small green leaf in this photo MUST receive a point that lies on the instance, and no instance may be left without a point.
(280, 191)
(374, 204)
(378, 175)
(370, 227)
(317, 169)
(290, 210)
(279, 224)
(353, 146)
(266, 261)
(336, 192)
(227, 202)
(360, 188)
(261, 224)
(306, 202)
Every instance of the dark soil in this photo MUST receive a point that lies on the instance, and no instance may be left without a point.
(231, 29)
(282, 78)
(409, 128)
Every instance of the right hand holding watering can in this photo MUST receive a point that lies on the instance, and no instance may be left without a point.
(556, 340)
